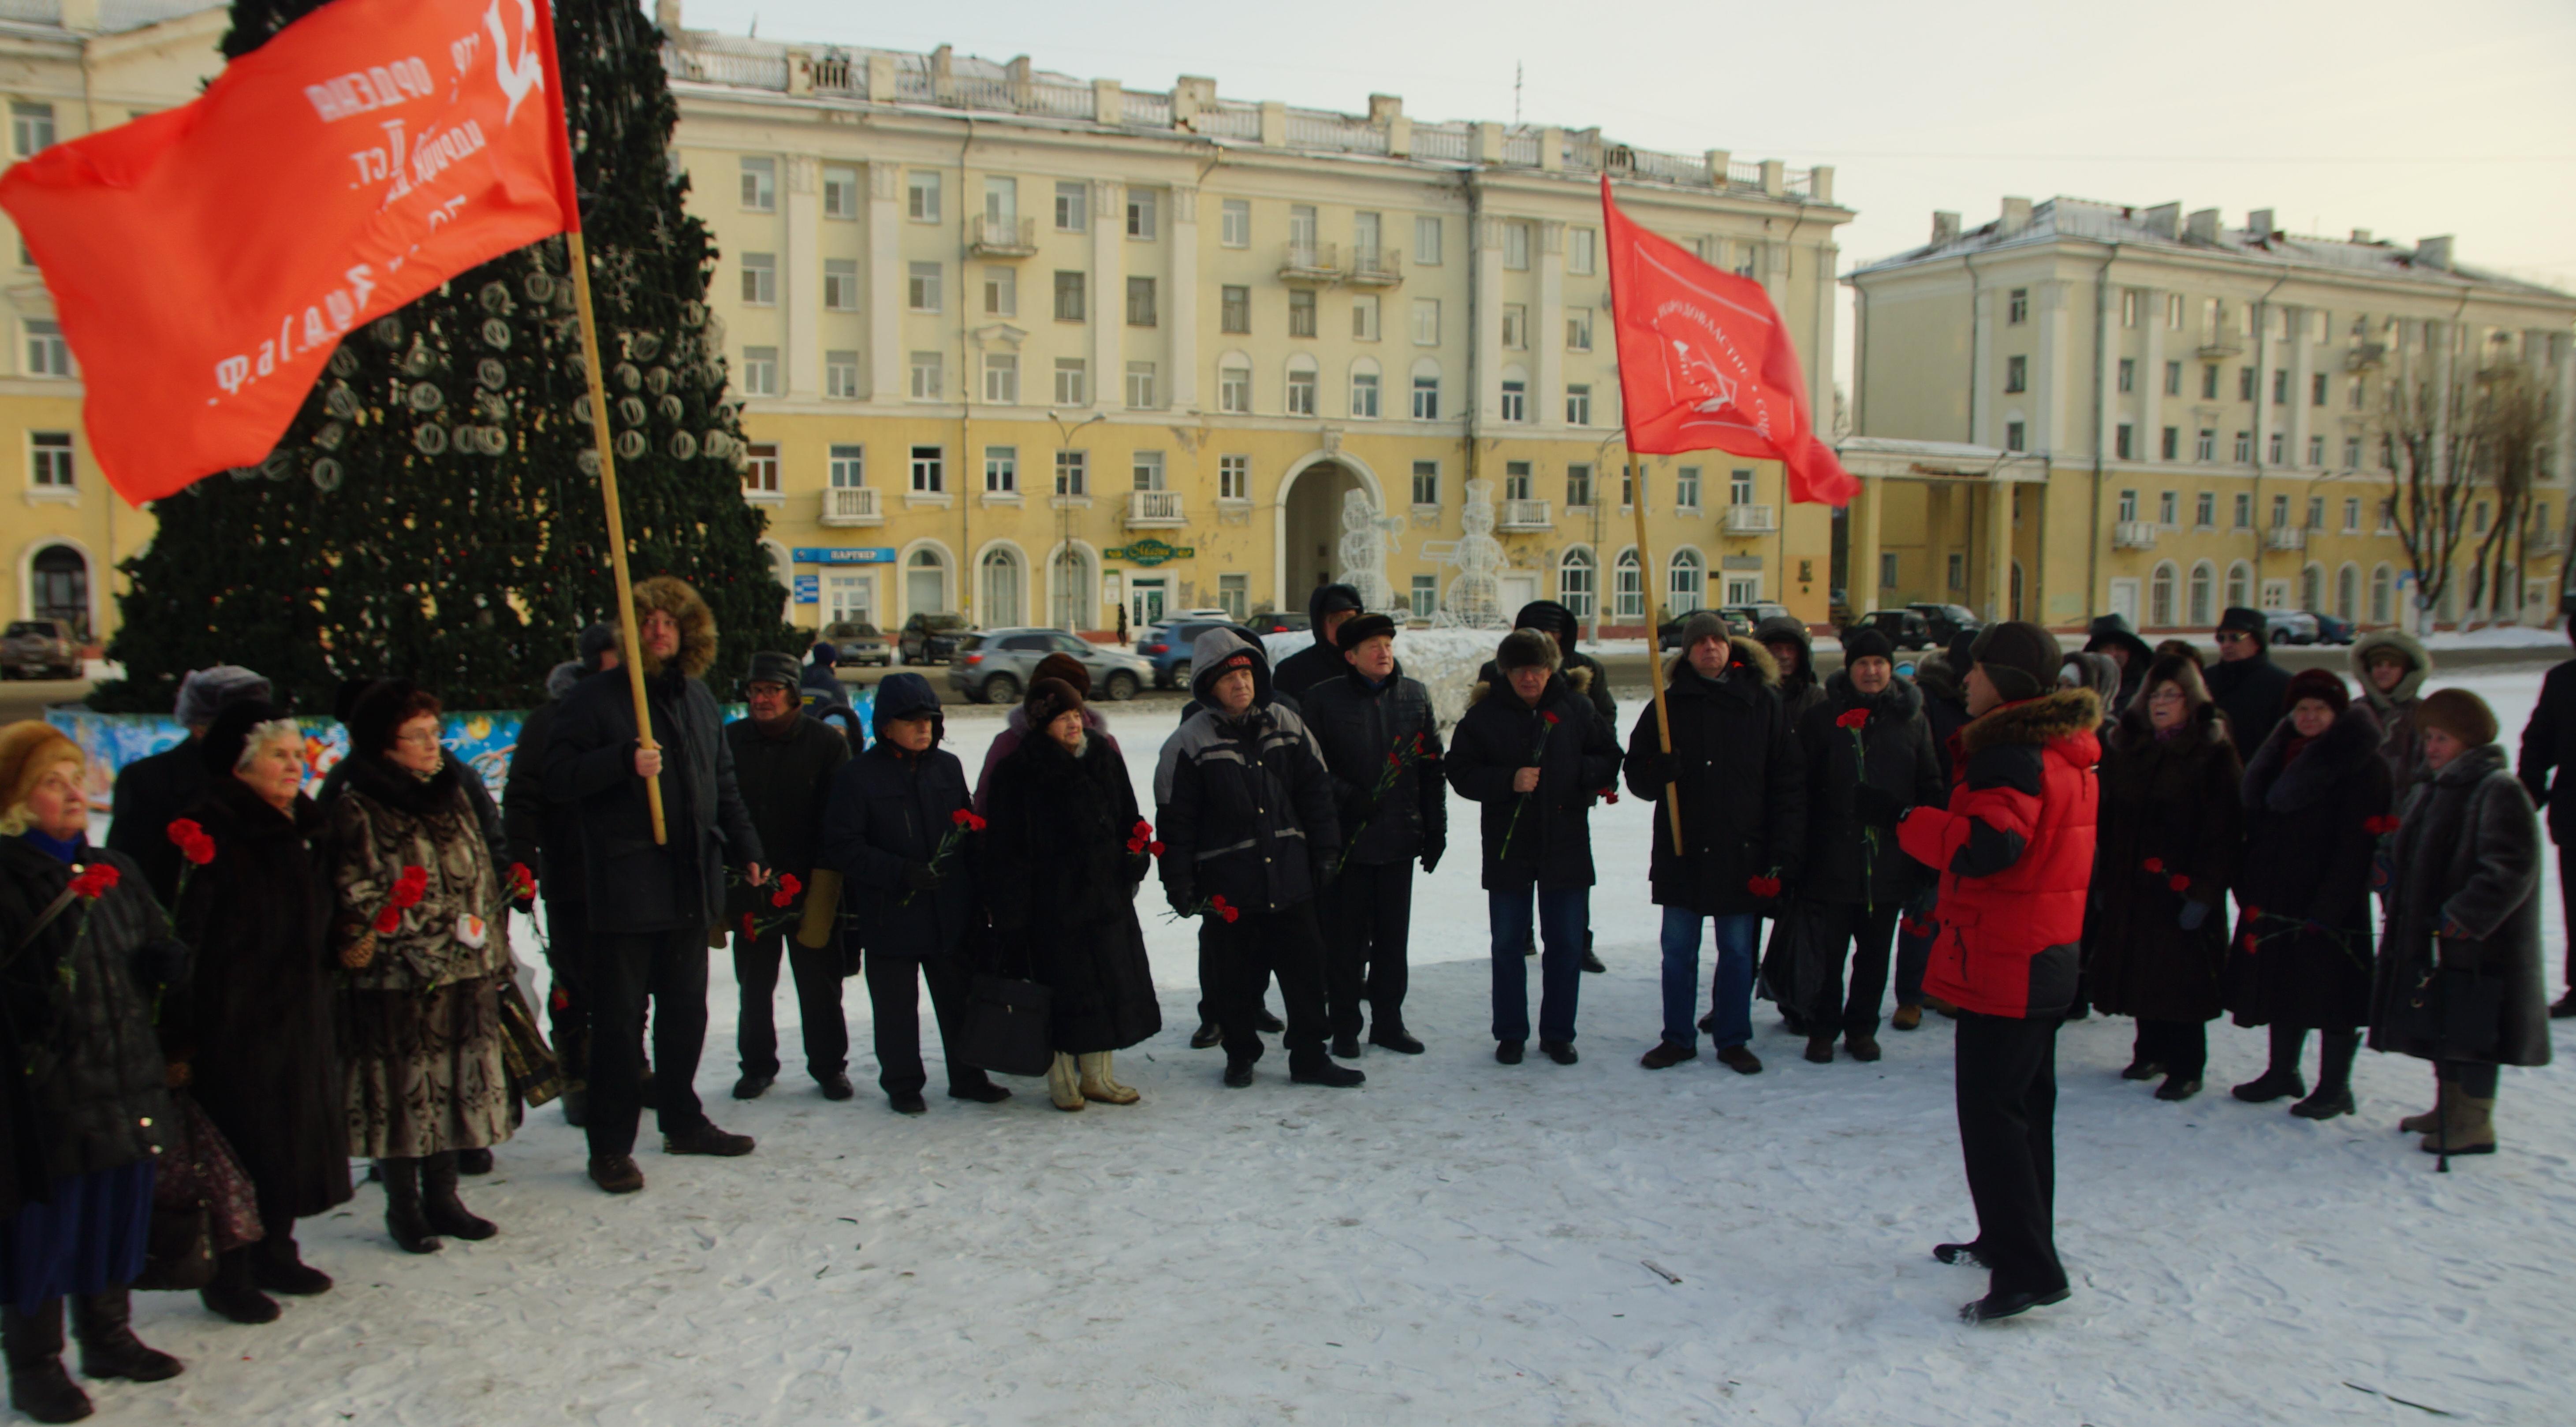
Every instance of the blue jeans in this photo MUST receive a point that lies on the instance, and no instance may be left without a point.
(1730, 997)
(1562, 916)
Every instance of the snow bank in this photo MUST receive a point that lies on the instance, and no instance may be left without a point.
(1445, 660)
(2499, 636)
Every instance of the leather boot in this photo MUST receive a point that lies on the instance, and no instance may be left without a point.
(38, 1386)
(2468, 1127)
(104, 1324)
(2430, 1120)
(1097, 1085)
(2279, 1080)
(1063, 1084)
(233, 1295)
(2334, 1078)
(404, 1217)
(439, 1205)
(277, 1266)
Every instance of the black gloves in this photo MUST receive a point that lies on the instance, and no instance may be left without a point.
(1431, 852)
(1180, 899)
(920, 876)
(1876, 807)
(1651, 770)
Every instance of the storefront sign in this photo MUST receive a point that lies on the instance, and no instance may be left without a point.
(843, 555)
(1149, 551)
(809, 589)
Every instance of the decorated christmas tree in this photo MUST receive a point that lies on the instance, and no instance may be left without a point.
(434, 511)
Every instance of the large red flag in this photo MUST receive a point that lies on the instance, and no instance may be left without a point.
(205, 261)
(1704, 361)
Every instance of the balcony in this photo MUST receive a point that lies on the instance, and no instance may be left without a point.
(1525, 515)
(2286, 537)
(988, 237)
(1752, 520)
(851, 505)
(1150, 509)
(2540, 540)
(1375, 267)
(2364, 356)
(2133, 535)
(2215, 346)
(1311, 264)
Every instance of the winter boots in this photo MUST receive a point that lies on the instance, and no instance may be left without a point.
(1906, 1018)
(276, 1267)
(1820, 1048)
(444, 1212)
(38, 1386)
(2464, 1126)
(2279, 1080)
(2334, 1078)
(1064, 1085)
(2430, 1120)
(405, 1219)
(233, 1295)
(1098, 1084)
(104, 1324)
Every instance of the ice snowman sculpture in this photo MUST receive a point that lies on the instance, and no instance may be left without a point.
(1475, 596)
(1366, 542)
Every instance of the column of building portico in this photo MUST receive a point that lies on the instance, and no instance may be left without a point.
(1108, 298)
(1983, 428)
(2151, 380)
(1487, 260)
(1860, 546)
(1997, 532)
(1550, 376)
(800, 282)
(885, 284)
(1182, 353)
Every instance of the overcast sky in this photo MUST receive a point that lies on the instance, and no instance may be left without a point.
(2407, 119)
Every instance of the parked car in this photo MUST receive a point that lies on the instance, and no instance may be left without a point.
(1747, 617)
(39, 649)
(1904, 628)
(931, 638)
(2331, 630)
(1166, 647)
(994, 666)
(1948, 621)
(2289, 626)
(859, 643)
(1277, 622)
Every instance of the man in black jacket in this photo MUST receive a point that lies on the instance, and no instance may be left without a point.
(652, 904)
(2110, 634)
(1328, 608)
(1743, 789)
(153, 791)
(1583, 674)
(1382, 743)
(2549, 747)
(547, 837)
(783, 761)
(2245, 684)
(1245, 809)
(1532, 750)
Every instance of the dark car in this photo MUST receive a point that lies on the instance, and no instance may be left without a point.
(997, 666)
(2331, 630)
(858, 642)
(1277, 622)
(39, 649)
(1904, 628)
(1167, 647)
(1668, 635)
(931, 638)
(1948, 621)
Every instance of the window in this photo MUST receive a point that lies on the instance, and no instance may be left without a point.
(760, 473)
(925, 376)
(1426, 483)
(2212, 316)
(2204, 447)
(2352, 453)
(1516, 246)
(1368, 241)
(841, 193)
(49, 455)
(1234, 478)
(760, 279)
(2317, 389)
(2355, 397)
(2016, 373)
(1578, 484)
(848, 467)
(1515, 325)
(1301, 386)
(1582, 248)
(1516, 480)
(1627, 588)
(1001, 292)
(2128, 375)
(1578, 329)
(2352, 516)
(2244, 383)
(1140, 302)
(2383, 589)
(921, 287)
(2208, 383)
(928, 476)
(1426, 398)
(2280, 511)
(1072, 473)
(759, 184)
(1234, 223)
(1425, 600)
(1140, 386)
(2017, 307)
(47, 354)
(1140, 214)
(1146, 469)
(1301, 227)
(1739, 487)
(1234, 594)
(1234, 309)
(1002, 378)
(2124, 441)
(1001, 203)
(1578, 406)
(1887, 568)
(2316, 450)
(2281, 385)
(2204, 588)
(1363, 396)
(2478, 518)
(1574, 582)
(1686, 487)
(921, 196)
(841, 284)
(2173, 378)
(2273, 447)
(1002, 470)
(2166, 504)
(2129, 306)
(1072, 382)
(1686, 583)
(2015, 436)
(841, 375)
(1072, 207)
(1364, 318)
(1426, 322)
(2170, 443)
(2316, 512)
(2387, 518)
(1068, 296)
(2244, 515)
(2128, 506)
(2160, 598)
(1426, 241)
(2240, 584)
(1234, 389)
(1515, 401)
(2173, 311)
(31, 128)
(2244, 447)
(1301, 313)
(760, 371)
(2204, 511)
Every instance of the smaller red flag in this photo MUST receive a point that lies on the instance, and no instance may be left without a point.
(1705, 363)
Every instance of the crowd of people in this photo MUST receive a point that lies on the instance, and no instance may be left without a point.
(250, 986)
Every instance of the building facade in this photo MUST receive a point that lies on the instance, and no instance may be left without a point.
(2082, 408)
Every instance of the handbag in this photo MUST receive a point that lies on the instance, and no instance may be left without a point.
(2457, 1010)
(1006, 1027)
(536, 1076)
(178, 1251)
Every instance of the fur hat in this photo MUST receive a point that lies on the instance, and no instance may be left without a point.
(2019, 657)
(27, 749)
(1527, 649)
(1049, 700)
(768, 667)
(223, 746)
(2180, 649)
(1362, 626)
(379, 712)
(1863, 642)
(204, 692)
(596, 641)
(2459, 713)
(2321, 685)
(675, 598)
(1061, 665)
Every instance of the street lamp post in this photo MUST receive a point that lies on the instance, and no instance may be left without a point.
(1067, 598)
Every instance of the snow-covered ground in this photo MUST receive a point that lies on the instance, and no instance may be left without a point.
(1455, 1242)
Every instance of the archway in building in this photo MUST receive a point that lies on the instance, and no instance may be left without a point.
(58, 587)
(1310, 522)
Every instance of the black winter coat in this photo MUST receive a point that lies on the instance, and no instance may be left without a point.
(785, 784)
(1843, 863)
(1945, 708)
(1543, 836)
(2176, 802)
(1062, 888)
(255, 1025)
(544, 834)
(1742, 777)
(889, 808)
(78, 1001)
(150, 792)
(2306, 871)
(634, 884)
(1359, 730)
(1244, 808)
(2251, 692)
(2467, 857)
(2548, 745)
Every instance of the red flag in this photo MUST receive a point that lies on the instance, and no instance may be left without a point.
(205, 261)
(1704, 361)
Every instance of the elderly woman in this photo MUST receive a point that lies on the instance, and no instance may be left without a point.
(2392, 666)
(2171, 828)
(2459, 980)
(83, 949)
(421, 923)
(1060, 874)
(1015, 727)
(256, 1032)
(2314, 794)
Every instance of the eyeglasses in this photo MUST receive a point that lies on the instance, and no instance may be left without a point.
(2233, 636)
(2166, 695)
(417, 740)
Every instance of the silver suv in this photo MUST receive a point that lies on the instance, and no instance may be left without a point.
(995, 666)
(39, 649)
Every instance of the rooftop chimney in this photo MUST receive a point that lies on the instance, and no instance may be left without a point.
(1384, 109)
(2016, 216)
(2164, 220)
(2202, 226)
(1945, 227)
(666, 13)
(80, 14)
(2258, 225)
(2433, 252)
(2361, 235)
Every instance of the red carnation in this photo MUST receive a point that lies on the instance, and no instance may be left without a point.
(184, 831)
(388, 920)
(559, 1000)
(787, 883)
(523, 883)
(1154, 848)
(2154, 864)
(2179, 882)
(975, 823)
(1393, 759)
(2249, 944)
(1763, 886)
(782, 897)
(2253, 912)
(199, 850)
(747, 931)
(2381, 825)
(1228, 913)
(1143, 830)
(1851, 718)
(1550, 717)
(94, 881)
(1217, 902)
(1609, 795)
(962, 816)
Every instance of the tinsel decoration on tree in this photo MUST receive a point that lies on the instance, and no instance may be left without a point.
(434, 511)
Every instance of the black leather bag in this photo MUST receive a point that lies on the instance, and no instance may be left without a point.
(2453, 1008)
(1005, 1027)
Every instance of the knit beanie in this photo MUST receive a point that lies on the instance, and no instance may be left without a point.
(2459, 713)
(2019, 657)
(596, 640)
(28, 748)
(1705, 624)
(203, 693)
(1864, 642)
(1526, 649)
(2322, 685)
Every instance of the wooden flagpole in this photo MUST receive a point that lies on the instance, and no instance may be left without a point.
(617, 525)
(1655, 653)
